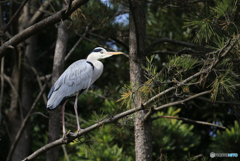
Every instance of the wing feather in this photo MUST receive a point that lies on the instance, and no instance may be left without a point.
(76, 78)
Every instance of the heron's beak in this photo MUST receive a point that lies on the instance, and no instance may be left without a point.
(114, 53)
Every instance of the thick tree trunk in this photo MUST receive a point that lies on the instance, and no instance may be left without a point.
(137, 37)
(58, 68)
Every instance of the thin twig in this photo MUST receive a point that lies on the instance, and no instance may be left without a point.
(39, 83)
(24, 123)
(39, 113)
(182, 101)
(188, 120)
(8, 79)
(76, 44)
(219, 102)
(65, 152)
(38, 13)
(36, 28)
(2, 87)
(101, 96)
(14, 16)
(69, 6)
(72, 136)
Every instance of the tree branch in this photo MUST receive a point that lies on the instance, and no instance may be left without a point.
(5, 48)
(14, 16)
(219, 102)
(72, 136)
(76, 44)
(37, 14)
(181, 101)
(154, 43)
(13, 146)
(188, 120)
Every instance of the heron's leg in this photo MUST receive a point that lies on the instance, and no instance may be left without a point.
(63, 119)
(76, 112)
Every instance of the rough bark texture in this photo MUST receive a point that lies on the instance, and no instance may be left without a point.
(137, 37)
(25, 89)
(58, 68)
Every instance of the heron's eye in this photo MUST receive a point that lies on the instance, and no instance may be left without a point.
(101, 52)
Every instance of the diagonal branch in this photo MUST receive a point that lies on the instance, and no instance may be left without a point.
(154, 43)
(13, 146)
(47, 22)
(188, 120)
(14, 16)
(76, 44)
(72, 136)
(39, 12)
(182, 101)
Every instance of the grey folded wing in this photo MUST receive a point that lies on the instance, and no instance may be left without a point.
(75, 79)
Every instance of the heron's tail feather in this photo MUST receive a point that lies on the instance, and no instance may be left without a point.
(54, 101)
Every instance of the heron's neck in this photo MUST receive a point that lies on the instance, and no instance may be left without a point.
(96, 63)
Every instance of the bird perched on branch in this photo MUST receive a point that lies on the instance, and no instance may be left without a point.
(76, 79)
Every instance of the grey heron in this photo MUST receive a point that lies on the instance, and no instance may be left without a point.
(76, 79)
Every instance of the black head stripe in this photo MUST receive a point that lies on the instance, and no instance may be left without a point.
(97, 50)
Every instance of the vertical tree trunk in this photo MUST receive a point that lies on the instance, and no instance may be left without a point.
(137, 37)
(24, 86)
(58, 68)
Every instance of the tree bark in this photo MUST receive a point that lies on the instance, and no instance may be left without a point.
(137, 37)
(24, 86)
(58, 68)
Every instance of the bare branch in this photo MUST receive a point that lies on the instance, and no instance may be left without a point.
(65, 152)
(13, 146)
(111, 39)
(219, 102)
(101, 96)
(72, 136)
(69, 6)
(2, 87)
(8, 79)
(14, 16)
(37, 14)
(51, 20)
(181, 101)
(188, 120)
(76, 44)
(39, 83)
(151, 46)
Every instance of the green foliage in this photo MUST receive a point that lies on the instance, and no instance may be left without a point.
(227, 141)
(224, 7)
(126, 96)
(173, 135)
(220, 15)
(86, 15)
(182, 63)
(224, 83)
(102, 148)
(205, 31)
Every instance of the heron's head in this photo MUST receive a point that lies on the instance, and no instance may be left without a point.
(100, 53)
